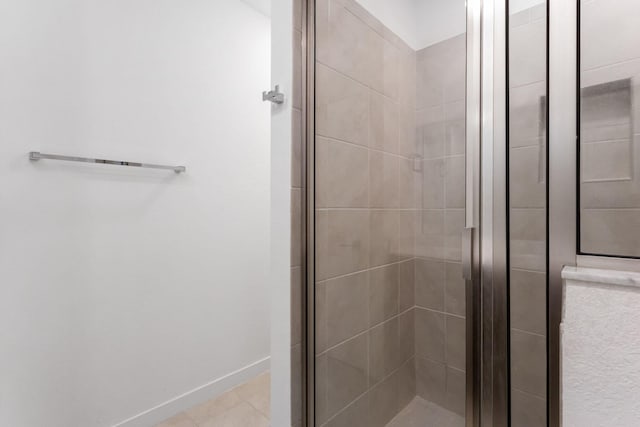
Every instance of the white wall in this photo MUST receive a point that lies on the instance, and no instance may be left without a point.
(600, 341)
(516, 6)
(280, 273)
(262, 6)
(439, 20)
(123, 288)
(398, 15)
(422, 23)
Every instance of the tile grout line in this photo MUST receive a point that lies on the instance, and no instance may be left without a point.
(367, 330)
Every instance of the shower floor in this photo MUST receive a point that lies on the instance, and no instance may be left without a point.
(421, 413)
(248, 406)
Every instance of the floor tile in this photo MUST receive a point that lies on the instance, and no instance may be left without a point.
(215, 407)
(247, 405)
(180, 420)
(243, 415)
(421, 413)
(258, 385)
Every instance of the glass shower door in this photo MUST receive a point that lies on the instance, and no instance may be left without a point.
(527, 213)
(389, 212)
(582, 207)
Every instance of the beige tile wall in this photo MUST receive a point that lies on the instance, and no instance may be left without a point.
(439, 287)
(610, 154)
(365, 200)
(610, 191)
(527, 160)
(390, 131)
(609, 195)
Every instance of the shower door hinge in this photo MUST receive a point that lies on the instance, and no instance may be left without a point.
(274, 96)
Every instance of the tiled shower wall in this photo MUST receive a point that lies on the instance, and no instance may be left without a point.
(439, 286)
(610, 191)
(610, 150)
(527, 160)
(390, 209)
(365, 202)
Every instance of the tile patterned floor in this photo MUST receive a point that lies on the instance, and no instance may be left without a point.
(248, 406)
(244, 406)
(421, 413)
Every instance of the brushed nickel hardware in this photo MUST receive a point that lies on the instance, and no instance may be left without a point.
(36, 155)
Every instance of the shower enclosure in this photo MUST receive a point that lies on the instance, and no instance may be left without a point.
(445, 192)
(389, 202)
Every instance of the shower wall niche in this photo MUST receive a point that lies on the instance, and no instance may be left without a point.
(389, 150)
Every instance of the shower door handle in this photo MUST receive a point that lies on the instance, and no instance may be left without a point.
(467, 253)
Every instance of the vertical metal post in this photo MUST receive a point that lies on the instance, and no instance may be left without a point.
(562, 177)
(308, 34)
(494, 248)
(472, 210)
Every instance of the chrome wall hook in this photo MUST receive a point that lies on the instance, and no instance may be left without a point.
(274, 96)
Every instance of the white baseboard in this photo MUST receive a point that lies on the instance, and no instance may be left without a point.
(196, 396)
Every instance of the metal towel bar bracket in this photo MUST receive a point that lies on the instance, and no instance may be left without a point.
(35, 156)
(274, 96)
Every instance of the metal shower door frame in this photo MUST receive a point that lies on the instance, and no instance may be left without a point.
(561, 181)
